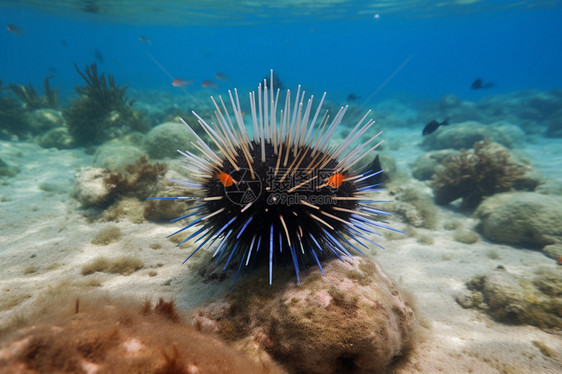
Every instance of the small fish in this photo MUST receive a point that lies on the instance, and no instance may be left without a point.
(180, 82)
(209, 84)
(433, 125)
(15, 30)
(221, 76)
(144, 39)
(98, 55)
(479, 84)
(352, 97)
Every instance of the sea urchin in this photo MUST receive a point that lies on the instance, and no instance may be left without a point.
(282, 194)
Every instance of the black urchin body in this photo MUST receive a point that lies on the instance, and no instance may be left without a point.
(285, 196)
(275, 204)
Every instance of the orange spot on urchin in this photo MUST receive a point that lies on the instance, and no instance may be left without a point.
(226, 179)
(335, 180)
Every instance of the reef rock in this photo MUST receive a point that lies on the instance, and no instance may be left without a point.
(90, 188)
(526, 218)
(517, 299)
(164, 140)
(352, 320)
(107, 338)
(45, 119)
(59, 138)
(463, 135)
(423, 168)
(115, 156)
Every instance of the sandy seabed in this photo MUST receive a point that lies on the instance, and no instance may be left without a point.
(45, 240)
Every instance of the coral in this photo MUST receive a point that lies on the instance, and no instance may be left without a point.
(31, 100)
(526, 219)
(138, 180)
(100, 188)
(516, 299)
(353, 320)
(475, 174)
(102, 111)
(109, 337)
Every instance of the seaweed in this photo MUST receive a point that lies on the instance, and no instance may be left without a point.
(32, 100)
(103, 111)
(13, 117)
(475, 174)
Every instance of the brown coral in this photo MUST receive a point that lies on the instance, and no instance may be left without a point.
(474, 174)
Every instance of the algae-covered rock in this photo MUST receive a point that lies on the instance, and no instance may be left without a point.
(516, 299)
(352, 320)
(44, 119)
(524, 218)
(166, 139)
(95, 336)
(423, 168)
(115, 156)
(90, 188)
(58, 137)
(463, 135)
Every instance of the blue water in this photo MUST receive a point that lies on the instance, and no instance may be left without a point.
(517, 49)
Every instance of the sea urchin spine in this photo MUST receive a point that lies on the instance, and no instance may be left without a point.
(282, 194)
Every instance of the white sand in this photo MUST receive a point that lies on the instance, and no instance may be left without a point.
(45, 240)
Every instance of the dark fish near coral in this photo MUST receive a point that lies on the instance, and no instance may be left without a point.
(479, 84)
(144, 39)
(98, 55)
(433, 125)
(221, 76)
(352, 97)
(209, 84)
(375, 170)
(180, 82)
(15, 30)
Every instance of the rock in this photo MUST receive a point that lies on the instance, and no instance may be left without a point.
(554, 251)
(115, 156)
(166, 210)
(353, 319)
(423, 168)
(164, 140)
(527, 219)
(414, 206)
(463, 135)
(516, 299)
(99, 337)
(89, 187)
(45, 119)
(58, 137)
